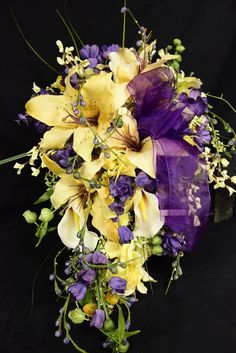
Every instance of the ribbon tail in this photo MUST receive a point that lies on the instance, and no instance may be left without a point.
(183, 190)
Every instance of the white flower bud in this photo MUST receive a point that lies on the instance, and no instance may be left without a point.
(29, 216)
(46, 215)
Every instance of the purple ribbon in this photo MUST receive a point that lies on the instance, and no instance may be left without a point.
(182, 181)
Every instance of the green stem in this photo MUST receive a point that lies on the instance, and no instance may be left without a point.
(14, 158)
(30, 46)
(66, 328)
(69, 31)
(101, 295)
(124, 26)
(223, 100)
(72, 27)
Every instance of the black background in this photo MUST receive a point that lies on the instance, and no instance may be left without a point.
(199, 313)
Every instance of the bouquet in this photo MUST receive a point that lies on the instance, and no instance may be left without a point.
(129, 148)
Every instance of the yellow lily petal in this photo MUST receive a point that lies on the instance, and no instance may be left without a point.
(147, 214)
(112, 249)
(160, 62)
(52, 166)
(144, 158)
(55, 138)
(52, 109)
(102, 219)
(89, 169)
(83, 143)
(71, 223)
(63, 193)
(102, 95)
(124, 65)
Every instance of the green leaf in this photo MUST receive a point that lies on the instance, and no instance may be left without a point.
(112, 335)
(46, 196)
(132, 333)
(41, 232)
(121, 324)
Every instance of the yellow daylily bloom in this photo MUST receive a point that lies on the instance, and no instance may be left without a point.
(185, 83)
(72, 222)
(164, 58)
(148, 220)
(124, 65)
(134, 273)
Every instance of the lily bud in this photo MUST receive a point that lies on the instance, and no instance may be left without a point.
(29, 216)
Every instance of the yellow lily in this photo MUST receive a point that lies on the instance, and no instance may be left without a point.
(124, 65)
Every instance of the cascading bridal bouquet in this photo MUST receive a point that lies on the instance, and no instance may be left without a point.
(128, 147)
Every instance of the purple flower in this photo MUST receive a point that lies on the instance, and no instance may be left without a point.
(121, 188)
(97, 258)
(202, 137)
(40, 127)
(118, 285)
(173, 243)
(88, 276)
(98, 319)
(92, 53)
(78, 290)
(125, 235)
(61, 156)
(143, 180)
(117, 207)
(105, 50)
(194, 101)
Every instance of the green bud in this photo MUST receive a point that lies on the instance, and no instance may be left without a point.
(29, 216)
(123, 348)
(157, 250)
(77, 316)
(179, 59)
(113, 270)
(109, 325)
(156, 240)
(180, 48)
(175, 66)
(46, 215)
(177, 41)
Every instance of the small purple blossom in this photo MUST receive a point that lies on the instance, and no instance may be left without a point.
(117, 207)
(173, 243)
(118, 285)
(202, 137)
(124, 9)
(88, 276)
(78, 290)
(105, 50)
(98, 319)
(92, 53)
(121, 188)
(195, 102)
(40, 127)
(97, 258)
(125, 235)
(61, 157)
(145, 181)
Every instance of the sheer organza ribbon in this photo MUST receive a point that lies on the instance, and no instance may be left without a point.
(182, 181)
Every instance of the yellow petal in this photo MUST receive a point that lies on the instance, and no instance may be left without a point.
(112, 249)
(102, 219)
(63, 193)
(88, 170)
(124, 65)
(83, 143)
(52, 109)
(147, 214)
(144, 158)
(52, 166)
(160, 62)
(55, 138)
